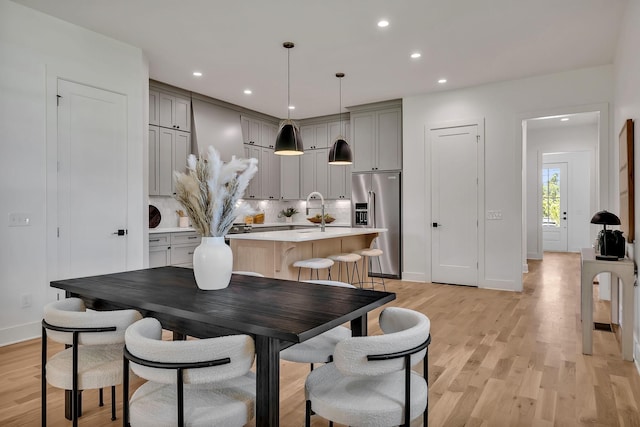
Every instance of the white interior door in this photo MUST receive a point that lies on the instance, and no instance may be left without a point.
(92, 180)
(555, 220)
(454, 205)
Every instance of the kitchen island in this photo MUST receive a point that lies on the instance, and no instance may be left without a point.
(273, 253)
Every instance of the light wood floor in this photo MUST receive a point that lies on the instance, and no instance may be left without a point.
(496, 359)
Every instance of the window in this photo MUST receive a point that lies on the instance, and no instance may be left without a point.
(551, 197)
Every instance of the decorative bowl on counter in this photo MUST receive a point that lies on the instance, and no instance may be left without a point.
(328, 219)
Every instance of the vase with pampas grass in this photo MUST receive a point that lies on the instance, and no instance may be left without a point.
(210, 193)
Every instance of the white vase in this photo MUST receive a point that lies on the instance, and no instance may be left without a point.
(212, 263)
(288, 219)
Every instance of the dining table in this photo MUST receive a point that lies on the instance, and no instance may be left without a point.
(276, 313)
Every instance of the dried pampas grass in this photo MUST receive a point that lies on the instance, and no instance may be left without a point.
(211, 189)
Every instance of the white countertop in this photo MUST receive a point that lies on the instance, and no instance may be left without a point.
(298, 224)
(254, 226)
(170, 230)
(305, 235)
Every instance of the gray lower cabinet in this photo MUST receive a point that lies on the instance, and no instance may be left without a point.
(172, 248)
(159, 249)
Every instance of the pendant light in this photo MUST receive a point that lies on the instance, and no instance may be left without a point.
(340, 153)
(288, 140)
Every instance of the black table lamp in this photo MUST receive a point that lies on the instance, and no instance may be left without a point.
(605, 218)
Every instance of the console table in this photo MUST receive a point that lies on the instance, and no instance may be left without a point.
(623, 269)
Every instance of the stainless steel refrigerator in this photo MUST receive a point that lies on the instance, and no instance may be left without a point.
(376, 202)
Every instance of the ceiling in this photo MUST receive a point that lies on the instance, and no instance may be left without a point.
(238, 44)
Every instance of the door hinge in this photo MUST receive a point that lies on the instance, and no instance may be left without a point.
(58, 100)
(477, 138)
(58, 231)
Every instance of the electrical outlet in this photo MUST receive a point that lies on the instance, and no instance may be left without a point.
(26, 300)
(18, 219)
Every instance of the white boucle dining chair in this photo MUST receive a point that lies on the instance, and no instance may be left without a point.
(371, 381)
(204, 382)
(318, 349)
(93, 359)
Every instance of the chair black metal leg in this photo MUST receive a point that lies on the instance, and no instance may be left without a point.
(101, 398)
(113, 403)
(125, 392)
(299, 268)
(307, 414)
(43, 375)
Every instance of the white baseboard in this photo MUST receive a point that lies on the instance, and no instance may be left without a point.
(636, 354)
(525, 268)
(414, 277)
(16, 334)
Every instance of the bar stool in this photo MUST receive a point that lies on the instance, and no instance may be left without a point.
(369, 253)
(314, 264)
(346, 258)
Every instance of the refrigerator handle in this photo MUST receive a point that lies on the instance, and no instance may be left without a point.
(368, 208)
(373, 203)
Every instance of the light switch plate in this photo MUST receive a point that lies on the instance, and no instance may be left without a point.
(494, 214)
(19, 219)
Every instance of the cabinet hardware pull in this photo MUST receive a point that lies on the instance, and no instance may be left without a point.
(154, 240)
(189, 253)
(192, 237)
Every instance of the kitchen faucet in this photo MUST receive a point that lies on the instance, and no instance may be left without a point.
(315, 193)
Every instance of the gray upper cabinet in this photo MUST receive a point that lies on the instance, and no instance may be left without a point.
(168, 152)
(313, 172)
(154, 107)
(154, 170)
(339, 176)
(376, 137)
(259, 141)
(175, 112)
(290, 177)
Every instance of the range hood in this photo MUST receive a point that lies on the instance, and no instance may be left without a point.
(217, 126)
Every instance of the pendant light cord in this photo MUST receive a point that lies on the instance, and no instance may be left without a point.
(288, 84)
(340, 110)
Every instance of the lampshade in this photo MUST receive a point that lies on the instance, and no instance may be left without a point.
(340, 153)
(288, 139)
(606, 218)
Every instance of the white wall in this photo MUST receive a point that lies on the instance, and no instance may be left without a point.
(627, 106)
(576, 142)
(36, 49)
(503, 106)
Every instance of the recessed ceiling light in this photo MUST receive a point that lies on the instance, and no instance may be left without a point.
(383, 23)
(564, 119)
(292, 107)
(441, 81)
(416, 55)
(247, 92)
(197, 73)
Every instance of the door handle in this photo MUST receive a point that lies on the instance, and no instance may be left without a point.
(436, 225)
(120, 232)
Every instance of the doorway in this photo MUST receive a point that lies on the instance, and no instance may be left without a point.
(454, 204)
(574, 141)
(91, 181)
(554, 207)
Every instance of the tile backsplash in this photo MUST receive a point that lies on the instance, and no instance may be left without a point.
(339, 209)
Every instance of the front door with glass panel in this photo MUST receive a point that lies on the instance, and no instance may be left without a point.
(555, 220)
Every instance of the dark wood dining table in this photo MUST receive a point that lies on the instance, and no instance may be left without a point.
(276, 313)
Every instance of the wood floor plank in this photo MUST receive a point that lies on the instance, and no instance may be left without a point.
(496, 359)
